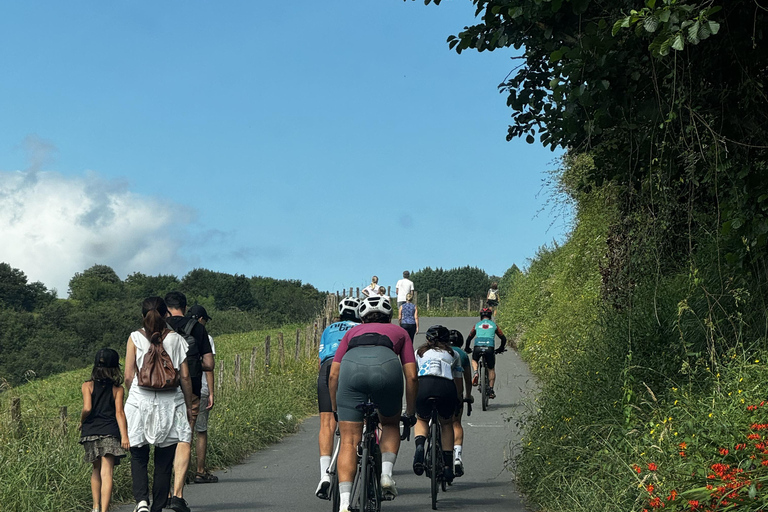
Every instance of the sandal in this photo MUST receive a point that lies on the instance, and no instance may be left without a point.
(205, 478)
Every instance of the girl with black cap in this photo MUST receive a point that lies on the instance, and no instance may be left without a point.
(104, 430)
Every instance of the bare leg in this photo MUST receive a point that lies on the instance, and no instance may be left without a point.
(96, 483)
(180, 467)
(107, 465)
(492, 377)
(325, 438)
(351, 434)
(390, 434)
(201, 445)
(446, 431)
(458, 430)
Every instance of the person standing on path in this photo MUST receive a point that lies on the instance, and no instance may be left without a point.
(329, 343)
(369, 364)
(492, 299)
(202, 476)
(372, 289)
(408, 316)
(199, 360)
(103, 428)
(403, 287)
(157, 417)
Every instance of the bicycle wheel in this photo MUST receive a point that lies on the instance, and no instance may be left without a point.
(434, 456)
(334, 492)
(363, 471)
(373, 503)
(484, 387)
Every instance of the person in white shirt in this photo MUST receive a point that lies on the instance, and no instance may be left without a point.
(372, 289)
(403, 288)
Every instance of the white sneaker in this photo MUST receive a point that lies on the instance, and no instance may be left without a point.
(323, 487)
(388, 486)
(458, 467)
(142, 506)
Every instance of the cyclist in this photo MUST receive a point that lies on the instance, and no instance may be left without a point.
(465, 388)
(486, 331)
(366, 365)
(329, 342)
(439, 371)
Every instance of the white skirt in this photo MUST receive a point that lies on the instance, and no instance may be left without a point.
(156, 417)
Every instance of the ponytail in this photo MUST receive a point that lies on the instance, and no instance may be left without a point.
(154, 311)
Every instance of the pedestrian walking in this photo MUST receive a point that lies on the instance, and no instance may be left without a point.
(103, 428)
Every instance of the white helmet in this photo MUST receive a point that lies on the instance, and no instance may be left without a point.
(349, 305)
(375, 304)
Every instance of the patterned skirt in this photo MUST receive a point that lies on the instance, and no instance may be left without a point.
(98, 446)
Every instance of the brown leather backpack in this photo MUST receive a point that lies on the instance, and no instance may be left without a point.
(158, 371)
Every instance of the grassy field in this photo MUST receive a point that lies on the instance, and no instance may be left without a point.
(41, 462)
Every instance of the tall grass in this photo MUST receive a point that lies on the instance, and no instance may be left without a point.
(41, 465)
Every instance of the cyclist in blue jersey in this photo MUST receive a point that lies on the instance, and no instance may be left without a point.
(486, 331)
(465, 389)
(329, 342)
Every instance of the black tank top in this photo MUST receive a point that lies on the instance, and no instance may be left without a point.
(102, 421)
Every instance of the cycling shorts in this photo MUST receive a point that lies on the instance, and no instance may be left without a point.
(442, 389)
(323, 392)
(369, 372)
(492, 303)
(487, 353)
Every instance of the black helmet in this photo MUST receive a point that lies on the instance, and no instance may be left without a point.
(457, 339)
(486, 313)
(438, 333)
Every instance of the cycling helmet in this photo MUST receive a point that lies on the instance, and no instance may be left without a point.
(374, 304)
(348, 306)
(438, 333)
(486, 313)
(457, 339)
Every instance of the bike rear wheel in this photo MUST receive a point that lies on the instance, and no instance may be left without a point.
(484, 386)
(435, 455)
(334, 492)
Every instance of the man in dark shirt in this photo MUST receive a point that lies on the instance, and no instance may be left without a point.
(199, 360)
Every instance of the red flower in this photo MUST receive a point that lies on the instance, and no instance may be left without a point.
(723, 451)
(656, 502)
(636, 468)
(672, 495)
(652, 466)
(694, 504)
(650, 488)
(683, 445)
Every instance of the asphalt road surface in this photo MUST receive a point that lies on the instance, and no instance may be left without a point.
(284, 476)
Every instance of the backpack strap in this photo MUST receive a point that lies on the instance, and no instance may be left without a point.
(189, 326)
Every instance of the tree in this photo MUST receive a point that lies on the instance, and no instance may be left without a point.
(95, 284)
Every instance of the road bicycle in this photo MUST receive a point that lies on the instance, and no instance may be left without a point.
(366, 488)
(484, 380)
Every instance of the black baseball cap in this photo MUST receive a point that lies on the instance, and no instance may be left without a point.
(198, 311)
(107, 358)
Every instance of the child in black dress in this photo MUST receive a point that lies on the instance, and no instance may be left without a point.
(104, 430)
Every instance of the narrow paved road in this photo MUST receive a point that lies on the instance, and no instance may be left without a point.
(284, 476)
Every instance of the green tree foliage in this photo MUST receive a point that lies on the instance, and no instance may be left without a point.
(40, 335)
(470, 282)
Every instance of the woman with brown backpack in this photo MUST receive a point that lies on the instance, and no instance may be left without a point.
(159, 402)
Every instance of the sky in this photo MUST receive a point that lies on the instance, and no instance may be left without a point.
(319, 141)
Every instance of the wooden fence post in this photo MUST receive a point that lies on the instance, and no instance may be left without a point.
(315, 340)
(308, 342)
(220, 380)
(63, 420)
(237, 371)
(281, 348)
(441, 303)
(480, 304)
(350, 291)
(297, 348)
(415, 297)
(252, 368)
(389, 294)
(357, 292)
(16, 414)
(427, 301)
(267, 355)
(469, 307)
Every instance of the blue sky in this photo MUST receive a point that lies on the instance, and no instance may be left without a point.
(321, 141)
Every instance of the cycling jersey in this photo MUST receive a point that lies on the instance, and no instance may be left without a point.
(331, 338)
(485, 331)
(464, 358)
(439, 363)
(391, 336)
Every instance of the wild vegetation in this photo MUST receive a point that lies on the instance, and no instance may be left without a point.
(648, 327)
(41, 463)
(41, 335)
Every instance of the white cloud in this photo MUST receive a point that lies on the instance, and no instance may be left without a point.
(52, 226)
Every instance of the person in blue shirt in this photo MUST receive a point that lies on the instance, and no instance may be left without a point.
(465, 389)
(329, 342)
(486, 331)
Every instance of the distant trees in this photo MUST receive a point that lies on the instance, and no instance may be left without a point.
(462, 282)
(46, 335)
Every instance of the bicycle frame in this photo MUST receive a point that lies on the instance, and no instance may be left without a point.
(435, 465)
(333, 491)
(366, 488)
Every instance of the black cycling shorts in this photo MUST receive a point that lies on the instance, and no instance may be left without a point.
(323, 392)
(492, 303)
(487, 353)
(442, 389)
